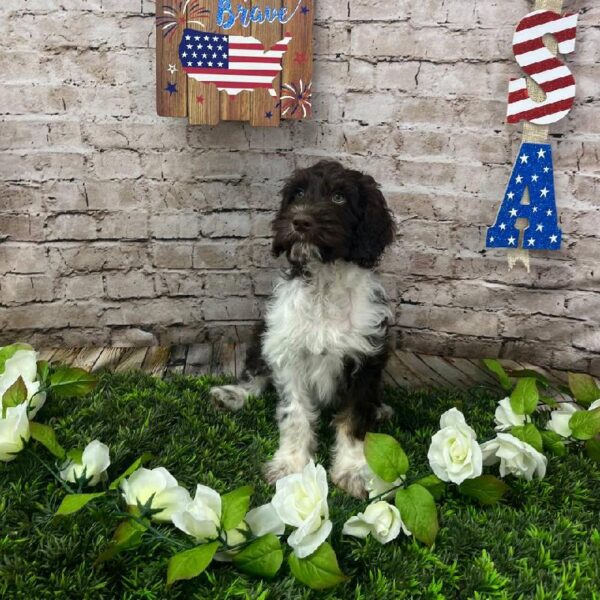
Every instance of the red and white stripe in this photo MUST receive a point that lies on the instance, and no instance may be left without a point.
(250, 66)
(548, 71)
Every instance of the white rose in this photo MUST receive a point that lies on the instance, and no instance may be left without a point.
(380, 519)
(233, 537)
(23, 363)
(506, 417)
(515, 456)
(301, 501)
(560, 417)
(160, 486)
(454, 454)
(14, 431)
(378, 487)
(595, 404)
(264, 519)
(201, 517)
(94, 462)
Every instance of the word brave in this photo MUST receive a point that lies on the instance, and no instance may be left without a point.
(246, 15)
(532, 171)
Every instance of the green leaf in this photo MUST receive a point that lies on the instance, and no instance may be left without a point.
(528, 433)
(433, 484)
(76, 455)
(418, 512)
(15, 394)
(128, 534)
(190, 563)
(318, 571)
(44, 434)
(7, 352)
(74, 502)
(498, 370)
(585, 424)
(262, 558)
(487, 489)
(551, 402)
(43, 371)
(553, 443)
(234, 506)
(385, 456)
(134, 466)
(583, 388)
(68, 382)
(592, 448)
(525, 396)
(541, 379)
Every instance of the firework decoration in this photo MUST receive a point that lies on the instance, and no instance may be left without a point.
(179, 14)
(296, 97)
(234, 60)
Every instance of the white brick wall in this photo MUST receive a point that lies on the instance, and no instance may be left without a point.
(118, 226)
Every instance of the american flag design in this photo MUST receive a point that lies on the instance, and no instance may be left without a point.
(548, 71)
(533, 171)
(233, 63)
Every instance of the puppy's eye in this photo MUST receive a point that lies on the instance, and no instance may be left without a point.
(338, 198)
(299, 193)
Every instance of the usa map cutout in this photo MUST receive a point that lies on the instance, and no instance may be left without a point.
(221, 61)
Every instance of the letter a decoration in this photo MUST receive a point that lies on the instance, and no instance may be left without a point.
(546, 95)
(234, 60)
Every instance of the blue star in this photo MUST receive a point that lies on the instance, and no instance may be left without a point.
(304, 10)
(268, 114)
(171, 88)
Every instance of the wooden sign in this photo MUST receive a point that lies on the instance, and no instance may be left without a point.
(234, 60)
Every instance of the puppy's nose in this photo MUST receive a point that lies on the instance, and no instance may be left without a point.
(302, 223)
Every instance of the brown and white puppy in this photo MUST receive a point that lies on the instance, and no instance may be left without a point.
(324, 340)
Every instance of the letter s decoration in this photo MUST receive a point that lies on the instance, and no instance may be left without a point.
(548, 71)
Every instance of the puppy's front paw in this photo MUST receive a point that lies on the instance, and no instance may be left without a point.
(279, 467)
(351, 482)
(228, 397)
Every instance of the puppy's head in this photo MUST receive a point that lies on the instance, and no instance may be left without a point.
(328, 212)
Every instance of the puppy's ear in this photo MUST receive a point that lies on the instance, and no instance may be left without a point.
(376, 230)
(287, 194)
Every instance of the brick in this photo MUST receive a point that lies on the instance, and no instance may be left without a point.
(134, 284)
(83, 286)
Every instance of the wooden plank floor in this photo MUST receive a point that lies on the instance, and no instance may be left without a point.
(405, 369)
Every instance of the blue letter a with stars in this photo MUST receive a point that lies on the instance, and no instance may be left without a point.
(533, 171)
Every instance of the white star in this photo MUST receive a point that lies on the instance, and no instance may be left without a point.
(519, 179)
(199, 63)
(214, 55)
(546, 169)
(210, 64)
(219, 47)
(183, 54)
(189, 46)
(553, 239)
(540, 227)
(535, 209)
(206, 38)
(194, 55)
(220, 64)
(209, 46)
(204, 56)
(172, 69)
(524, 158)
(199, 46)
(531, 241)
(511, 241)
(187, 37)
(492, 239)
(216, 38)
(513, 212)
(502, 226)
(196, 37)
(542, 153)
(535, 177)
(224, 55)
(510, 195)
(189, 64)
(548, 213)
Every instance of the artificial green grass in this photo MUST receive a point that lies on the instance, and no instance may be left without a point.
(542, 541)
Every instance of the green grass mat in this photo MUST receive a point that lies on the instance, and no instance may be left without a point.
(541, 542)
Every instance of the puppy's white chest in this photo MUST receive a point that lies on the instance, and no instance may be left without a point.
(334, 314)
